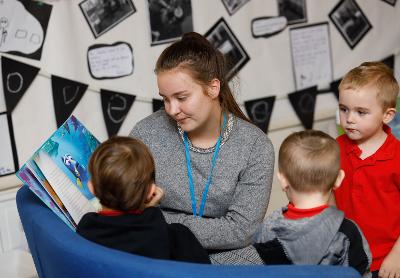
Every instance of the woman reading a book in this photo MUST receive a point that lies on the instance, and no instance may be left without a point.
(215, 166)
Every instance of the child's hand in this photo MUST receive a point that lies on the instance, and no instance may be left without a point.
(156, 198)
(391, 265)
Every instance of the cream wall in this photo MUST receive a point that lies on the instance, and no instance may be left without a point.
(269, 71)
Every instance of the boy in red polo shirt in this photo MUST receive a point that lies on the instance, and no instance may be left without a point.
(370, 157)
(122, 178)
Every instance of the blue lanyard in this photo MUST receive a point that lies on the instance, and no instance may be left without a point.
(209, 179)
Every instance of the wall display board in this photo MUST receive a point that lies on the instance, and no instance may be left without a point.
(96, 59)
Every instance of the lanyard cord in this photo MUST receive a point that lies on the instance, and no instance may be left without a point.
(209, 179)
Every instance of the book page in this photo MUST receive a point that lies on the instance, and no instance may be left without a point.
(38, 175)
(29, 178)
(73, 200)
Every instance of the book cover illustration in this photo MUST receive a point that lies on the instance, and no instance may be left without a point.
(60, 167)
(70, 147)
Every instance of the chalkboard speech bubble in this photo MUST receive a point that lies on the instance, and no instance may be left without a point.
(110, 61)
(264, 27)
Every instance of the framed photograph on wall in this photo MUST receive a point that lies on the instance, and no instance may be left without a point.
(391, 2)
(294, 10)
(102, 15)
(169, 20)
(222, 37)
(232, 6)
(351, 22)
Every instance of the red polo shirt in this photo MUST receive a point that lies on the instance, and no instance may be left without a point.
(370, 193)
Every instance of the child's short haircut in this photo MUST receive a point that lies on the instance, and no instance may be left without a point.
(310, 160)
(122, 170)
(378, 75)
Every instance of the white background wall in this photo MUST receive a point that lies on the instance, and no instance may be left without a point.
(269, 71)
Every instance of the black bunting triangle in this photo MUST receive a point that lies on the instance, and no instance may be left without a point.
(303, 103)
(334, 87)
(389, 61)
(260, 110)
(17, 77)
(157, 104)
(66, 96)
(115, 108)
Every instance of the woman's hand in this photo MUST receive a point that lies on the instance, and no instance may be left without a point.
(155, 198)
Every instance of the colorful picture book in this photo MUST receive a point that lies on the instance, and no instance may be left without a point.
(58, 172)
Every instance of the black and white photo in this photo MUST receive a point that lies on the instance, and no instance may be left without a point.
(232, 6)
(391, 2)
(102, 15)
(294, 10)
(169, 20)
(222, 37)
(351, 22)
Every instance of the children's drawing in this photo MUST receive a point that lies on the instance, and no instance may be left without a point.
(22, 27)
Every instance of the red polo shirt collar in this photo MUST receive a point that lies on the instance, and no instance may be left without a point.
(110, 212)
(297, 213)
(385, 152)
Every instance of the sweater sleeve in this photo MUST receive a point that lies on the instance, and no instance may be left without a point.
(359, 254)
(248, 206)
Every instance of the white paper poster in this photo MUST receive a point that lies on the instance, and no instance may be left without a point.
(311, 55)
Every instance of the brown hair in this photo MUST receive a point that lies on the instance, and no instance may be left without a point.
(377, 74)
(122, 170)
(203, 62)
(310, 160)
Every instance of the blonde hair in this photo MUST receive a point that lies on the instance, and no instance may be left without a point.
(310, 160)
(378, 75)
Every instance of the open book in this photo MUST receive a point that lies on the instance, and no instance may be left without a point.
(58, 172)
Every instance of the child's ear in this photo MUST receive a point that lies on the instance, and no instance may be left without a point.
(91, 187)
(339, 179)
(389, 115)
(214, 88)
(283, 181)
(152, 190)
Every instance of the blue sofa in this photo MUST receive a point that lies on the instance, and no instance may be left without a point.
(59, 252)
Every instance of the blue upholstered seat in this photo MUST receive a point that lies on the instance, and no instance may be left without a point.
(59, 252)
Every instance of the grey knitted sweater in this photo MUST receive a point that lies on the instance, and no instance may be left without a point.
(241, 182)
(326, 239)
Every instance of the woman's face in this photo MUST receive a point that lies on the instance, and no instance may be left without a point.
(185, 100)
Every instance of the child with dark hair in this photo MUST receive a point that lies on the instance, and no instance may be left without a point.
(122, 178)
